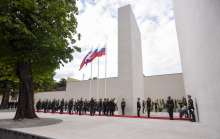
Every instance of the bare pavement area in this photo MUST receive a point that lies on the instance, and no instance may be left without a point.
(63, 126)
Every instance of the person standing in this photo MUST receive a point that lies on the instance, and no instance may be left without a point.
(92, 107)
(148, 107)
(70, 106)
(138, 107)
(156, 105)
(143, 105)
(100, 106)
(80, 103)
(170, 107)
(105, 106)
(61, 106)
(123, 104)
(191, 109)
(85, 106)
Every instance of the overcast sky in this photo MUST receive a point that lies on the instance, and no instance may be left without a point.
(97, 23)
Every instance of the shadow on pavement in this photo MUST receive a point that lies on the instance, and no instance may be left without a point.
(25, 123)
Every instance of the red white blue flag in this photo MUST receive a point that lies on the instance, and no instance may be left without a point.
(91, 56)
(101, 52)
(85, 60)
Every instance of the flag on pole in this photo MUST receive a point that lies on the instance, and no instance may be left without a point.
(85, 60)
(101, 52)
(91, 56)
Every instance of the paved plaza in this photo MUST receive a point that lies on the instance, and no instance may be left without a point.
(63, 126)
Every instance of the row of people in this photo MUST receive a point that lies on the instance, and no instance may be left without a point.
(81, 106)
(186, 108)
(108, 106)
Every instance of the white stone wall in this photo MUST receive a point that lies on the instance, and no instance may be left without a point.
(198, 30)
(50, 95)
(162, 86)
(159, 86)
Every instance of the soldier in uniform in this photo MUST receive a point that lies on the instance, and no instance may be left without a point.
(65, 105)
(107, 106)
(53, 105)
(143, 105)
(38, 105)
(100, 106)
(148, 106)
(92, 107)
(45, 106)
(156, 105)
(138, 107)
(170, 107)
(104, 106)
(70, 106)
(57, 105)
(191, 109)
(112, 106)
(80, 106)
(123, 105)
(61, 106)
(85, 106)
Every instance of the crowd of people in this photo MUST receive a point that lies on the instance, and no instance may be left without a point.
(80, 106)
(108, 106)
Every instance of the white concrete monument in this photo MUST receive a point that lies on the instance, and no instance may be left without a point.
(198, 30)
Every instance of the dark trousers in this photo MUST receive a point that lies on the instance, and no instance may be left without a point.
(70, 110)
(100, 111)
(92, 111)
(170, 114)
(123, 110)
(61, 111)
(143, 109)
(192, 115)
(138, 112)
(148, 112)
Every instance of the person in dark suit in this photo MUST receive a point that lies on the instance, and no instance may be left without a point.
(148, 106)
(80, 103)
(70, 106)
(170, 107)
(100, 106)
(92, 107)
(123, 104)
(61, 106)
(105, 106)
(138, 107)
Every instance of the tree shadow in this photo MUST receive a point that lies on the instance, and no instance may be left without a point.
(26, 123)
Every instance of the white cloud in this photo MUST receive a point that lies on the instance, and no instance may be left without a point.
(97, 23)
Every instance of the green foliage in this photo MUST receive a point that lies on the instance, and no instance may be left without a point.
(37, 31)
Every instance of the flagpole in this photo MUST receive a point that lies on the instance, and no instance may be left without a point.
(105, 70)
(98, 79)
(90, 82)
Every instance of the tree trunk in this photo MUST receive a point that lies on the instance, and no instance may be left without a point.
(25, 107)
(5, 99)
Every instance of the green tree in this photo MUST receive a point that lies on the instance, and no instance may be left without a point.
(61, 85)
(36, 36)
(45, 82)
(8, 82)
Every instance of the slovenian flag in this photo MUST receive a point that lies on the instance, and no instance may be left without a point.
(85, 60)
(101, 52)
(91, 56)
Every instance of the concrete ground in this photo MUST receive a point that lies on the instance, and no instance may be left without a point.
(99, 127)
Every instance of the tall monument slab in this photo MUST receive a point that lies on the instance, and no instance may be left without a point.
(198, 31)
(130, 57)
